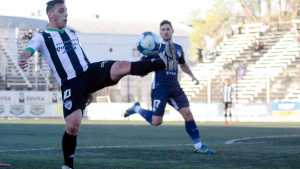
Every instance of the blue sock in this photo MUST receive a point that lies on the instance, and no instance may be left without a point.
(146, 114)
(192, 130)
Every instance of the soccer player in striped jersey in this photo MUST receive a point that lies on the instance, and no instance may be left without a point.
(78, 77)
(227, 98)
(166, 89)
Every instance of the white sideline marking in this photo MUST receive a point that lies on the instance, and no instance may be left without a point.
(235, 141)
(93, 148)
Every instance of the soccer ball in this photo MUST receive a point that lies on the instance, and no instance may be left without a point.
(148, 44)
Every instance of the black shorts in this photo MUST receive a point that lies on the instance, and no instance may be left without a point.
(76, 91)
(228, 105)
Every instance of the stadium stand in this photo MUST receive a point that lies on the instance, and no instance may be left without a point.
(210, 73)
(38, 72)
(271, 66)
(15, 77)
(36, 76)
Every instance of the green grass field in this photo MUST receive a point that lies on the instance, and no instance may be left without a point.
(118, 145)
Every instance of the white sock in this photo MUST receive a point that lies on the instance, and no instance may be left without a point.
(198, 145)
(137, 109)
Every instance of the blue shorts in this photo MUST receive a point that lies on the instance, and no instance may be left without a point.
(161, 95)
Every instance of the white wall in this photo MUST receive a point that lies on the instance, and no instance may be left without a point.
(32, 104)
(201, 112)
(97, 46)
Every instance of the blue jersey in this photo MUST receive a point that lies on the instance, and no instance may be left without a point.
(175, 55)
(166, 88)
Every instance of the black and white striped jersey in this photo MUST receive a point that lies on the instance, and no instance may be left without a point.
(63, 52)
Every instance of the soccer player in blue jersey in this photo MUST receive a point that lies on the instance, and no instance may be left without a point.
(166, 89)
(78, 77)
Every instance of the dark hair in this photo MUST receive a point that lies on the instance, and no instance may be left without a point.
(165, 22)
(52, 3)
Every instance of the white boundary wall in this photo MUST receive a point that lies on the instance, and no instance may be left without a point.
(201, 112)
(32, 104)
(19, 104)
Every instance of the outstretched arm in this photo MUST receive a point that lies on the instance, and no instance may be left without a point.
(186, 69)
(23, 57)
(33, 45)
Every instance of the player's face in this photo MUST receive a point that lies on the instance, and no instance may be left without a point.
(166, 32)
(58, 16)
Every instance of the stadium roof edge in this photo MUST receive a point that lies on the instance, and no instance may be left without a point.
(21, 22)
(123, 27)
(95, 26)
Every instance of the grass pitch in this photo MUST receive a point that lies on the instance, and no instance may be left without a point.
(35, 144)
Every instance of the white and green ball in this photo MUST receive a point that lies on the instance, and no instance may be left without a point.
(148, 44)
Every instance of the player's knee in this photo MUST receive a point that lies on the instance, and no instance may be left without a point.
(186, 114)
(156, 121)
(73, 129)
(123, 67)
(73, 122)
(189, 117)
(119, 69)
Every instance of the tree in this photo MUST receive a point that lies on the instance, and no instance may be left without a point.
(210, 25)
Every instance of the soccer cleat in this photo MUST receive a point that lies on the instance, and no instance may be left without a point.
(204, 150)
(65, 167)
(131, 110)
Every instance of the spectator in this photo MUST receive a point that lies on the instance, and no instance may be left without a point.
(258, 45)
(27, 35)
(241, 70)
(240, 27)
(200, 55)
(263, 29)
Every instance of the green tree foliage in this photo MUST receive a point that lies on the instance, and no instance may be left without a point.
(214, 20)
